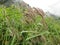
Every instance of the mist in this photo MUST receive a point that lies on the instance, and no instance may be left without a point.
(53, 6)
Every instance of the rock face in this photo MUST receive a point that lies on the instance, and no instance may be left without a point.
(10, 2)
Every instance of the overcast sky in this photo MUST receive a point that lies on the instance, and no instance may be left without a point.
(51, 5)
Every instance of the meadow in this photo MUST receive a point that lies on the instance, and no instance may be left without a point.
(14, 30)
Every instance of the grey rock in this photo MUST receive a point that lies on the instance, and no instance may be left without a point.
(10, 2)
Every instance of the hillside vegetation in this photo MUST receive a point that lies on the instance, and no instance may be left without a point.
(17, 29)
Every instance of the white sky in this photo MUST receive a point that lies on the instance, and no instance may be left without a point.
(51, 5)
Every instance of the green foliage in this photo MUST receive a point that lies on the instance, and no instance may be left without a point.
(15, 31)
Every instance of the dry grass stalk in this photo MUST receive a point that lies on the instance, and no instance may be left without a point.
(29, 14)
(42, 14)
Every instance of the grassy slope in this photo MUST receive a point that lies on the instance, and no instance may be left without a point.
(14, 30)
